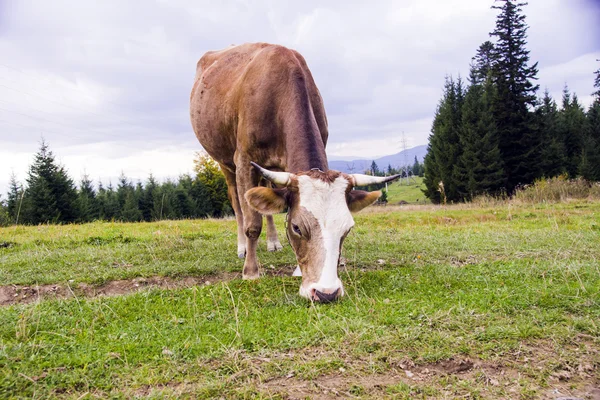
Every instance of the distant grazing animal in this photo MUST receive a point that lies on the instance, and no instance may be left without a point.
(257, 103)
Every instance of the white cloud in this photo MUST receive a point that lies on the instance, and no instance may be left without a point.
(576, 73)
(107, 83)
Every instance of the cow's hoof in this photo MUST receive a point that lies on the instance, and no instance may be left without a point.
(250, 277)
(274, 246)
(241, 251)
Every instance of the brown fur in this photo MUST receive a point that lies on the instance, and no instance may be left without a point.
(326, 176)
(257, 102)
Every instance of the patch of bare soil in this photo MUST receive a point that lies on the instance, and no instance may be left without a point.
(490, 380)
(21, 294)
(537, 370)
(331, 386)
(350, 382)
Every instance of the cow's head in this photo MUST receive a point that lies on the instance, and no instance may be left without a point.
(319, 218)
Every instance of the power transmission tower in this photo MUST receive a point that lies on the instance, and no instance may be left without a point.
(406, 167)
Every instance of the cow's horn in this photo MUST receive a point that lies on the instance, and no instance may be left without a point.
(278, 178)
(366, 180)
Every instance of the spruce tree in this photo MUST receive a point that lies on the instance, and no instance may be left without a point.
(165, 208)
(50, 195)
(66, 194)
(482, 64)
(148, 199)
(124, 187)
(590, 166)
(571, 125)
(128, 200)
(520, 145)
(384, 197)
(480, 168)
(416, 168)
(374, 169)
(108, 202)
(131, 211)
(183, 204)
(14, 199)
(201, 198)
(596, 94)
(553, 158)
(443, 150)
(4, 217)
(192, 198)
(87, 203)
(432, 161)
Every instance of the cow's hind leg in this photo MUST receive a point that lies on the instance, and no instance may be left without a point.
(232, 192)
(273, 243)
(247, 179)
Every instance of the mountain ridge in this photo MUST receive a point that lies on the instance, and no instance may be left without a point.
(395, 160)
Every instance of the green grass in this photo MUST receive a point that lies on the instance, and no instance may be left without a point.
(518, 286)
(410, 192)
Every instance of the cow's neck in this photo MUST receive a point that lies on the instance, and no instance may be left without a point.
(305, 149)
(305, 156)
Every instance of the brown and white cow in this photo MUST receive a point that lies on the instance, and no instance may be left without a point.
(256, 110)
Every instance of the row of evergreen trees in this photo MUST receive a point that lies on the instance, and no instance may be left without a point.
(416, 169)
(50, 196)
(495, 135)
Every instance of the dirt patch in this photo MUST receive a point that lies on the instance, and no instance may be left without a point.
(463, 261)
(331, 386)
(21, 294)
(351, 381)
(445, 379)
(536, 370)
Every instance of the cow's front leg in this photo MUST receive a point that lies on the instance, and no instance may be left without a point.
(247, 179)
(252, 229)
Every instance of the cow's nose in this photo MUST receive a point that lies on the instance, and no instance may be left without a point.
(325, 297)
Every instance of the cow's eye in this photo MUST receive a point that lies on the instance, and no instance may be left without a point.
(296, 229)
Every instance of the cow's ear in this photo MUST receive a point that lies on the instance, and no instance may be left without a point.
(266, 200)
(359, 199)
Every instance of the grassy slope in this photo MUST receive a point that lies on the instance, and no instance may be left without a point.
(483, 283)
(411, 193)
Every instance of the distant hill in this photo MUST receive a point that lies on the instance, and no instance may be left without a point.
(395, 160)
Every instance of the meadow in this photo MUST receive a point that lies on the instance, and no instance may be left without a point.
(410, 192)
(491, 301)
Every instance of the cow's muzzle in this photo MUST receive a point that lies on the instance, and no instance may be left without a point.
(326, 297)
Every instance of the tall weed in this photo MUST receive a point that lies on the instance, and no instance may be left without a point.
(557, 189)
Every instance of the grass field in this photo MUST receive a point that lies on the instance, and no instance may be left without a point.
(462, 301)
(410, 192)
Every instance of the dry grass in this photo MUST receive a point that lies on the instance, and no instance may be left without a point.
(558, 189)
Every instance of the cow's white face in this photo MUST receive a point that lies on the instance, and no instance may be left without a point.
(317, 227)
(319, 218)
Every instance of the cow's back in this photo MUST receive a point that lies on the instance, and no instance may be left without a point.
(251, 83)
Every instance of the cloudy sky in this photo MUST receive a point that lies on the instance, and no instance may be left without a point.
(107, 83)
